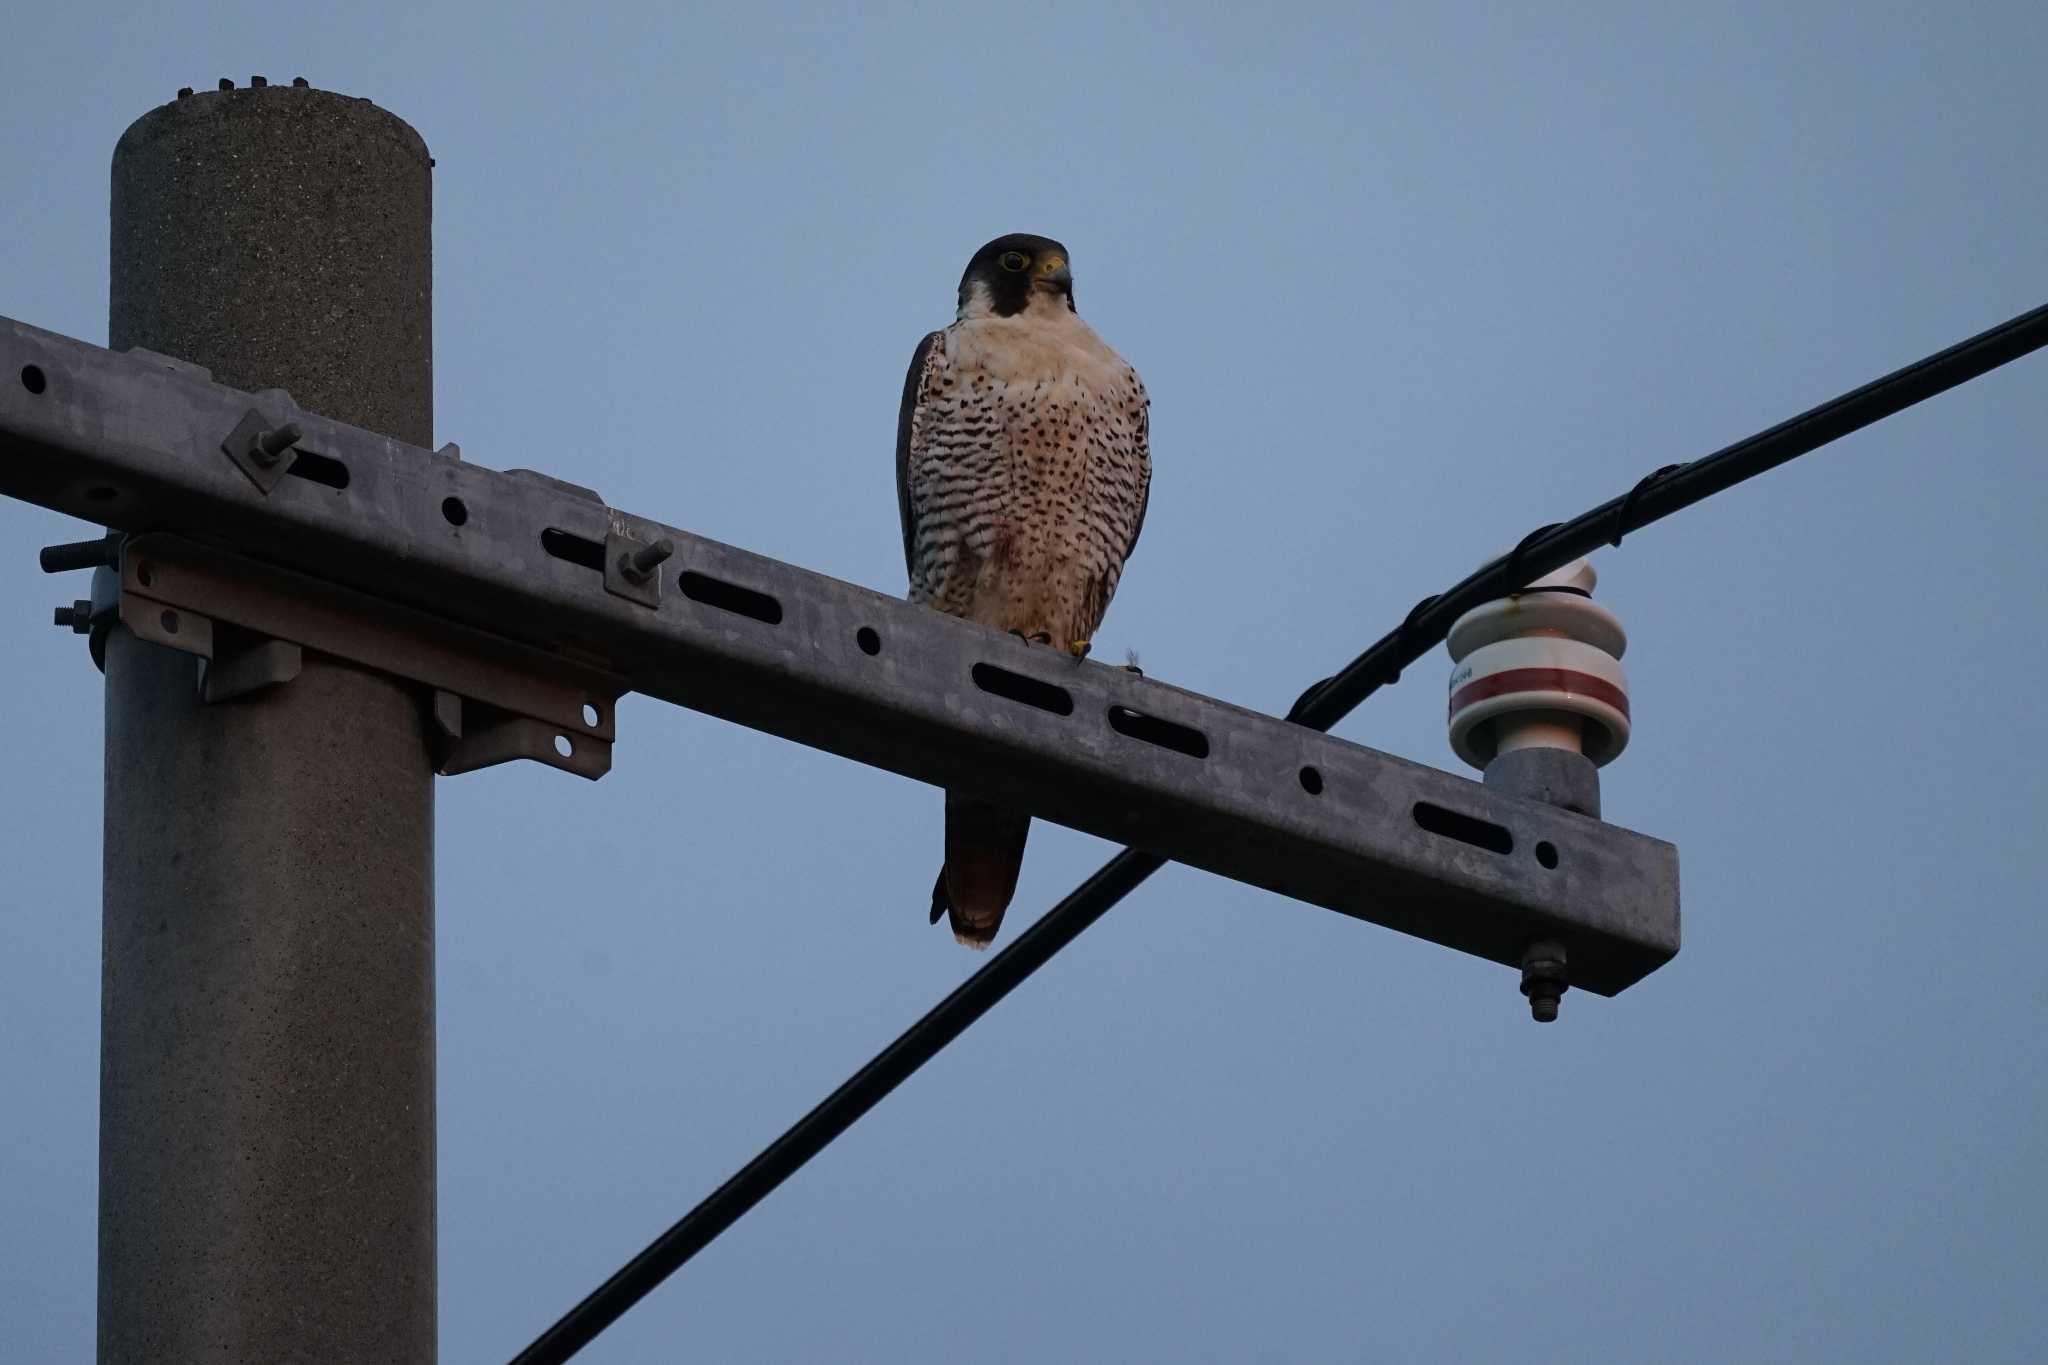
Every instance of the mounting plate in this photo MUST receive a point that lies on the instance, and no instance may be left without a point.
(516, 702)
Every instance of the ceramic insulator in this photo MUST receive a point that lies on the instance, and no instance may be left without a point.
(1540, 669)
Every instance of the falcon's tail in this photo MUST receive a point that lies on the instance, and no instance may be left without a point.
(984, 852)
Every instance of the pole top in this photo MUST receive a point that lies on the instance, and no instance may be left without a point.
(300, 96)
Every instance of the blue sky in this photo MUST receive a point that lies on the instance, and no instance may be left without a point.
(1403, 281)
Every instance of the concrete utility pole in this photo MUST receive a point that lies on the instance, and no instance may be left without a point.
(267, 1063)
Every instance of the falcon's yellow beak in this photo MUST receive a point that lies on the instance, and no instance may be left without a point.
(1053, 270)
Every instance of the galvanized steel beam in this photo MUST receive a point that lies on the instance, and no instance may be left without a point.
(136, 442)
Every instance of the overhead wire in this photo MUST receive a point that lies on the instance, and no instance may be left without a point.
(1659, 494)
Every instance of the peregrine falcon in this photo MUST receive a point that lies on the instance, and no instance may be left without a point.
(1022, 472)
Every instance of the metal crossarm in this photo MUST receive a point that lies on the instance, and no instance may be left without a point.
(140, 443)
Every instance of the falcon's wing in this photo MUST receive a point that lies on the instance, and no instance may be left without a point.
(913, 388)
(1145, 462)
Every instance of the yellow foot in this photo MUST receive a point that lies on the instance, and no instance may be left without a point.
(1079, 649)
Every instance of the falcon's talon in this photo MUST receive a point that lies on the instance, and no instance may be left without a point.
(1079, 649)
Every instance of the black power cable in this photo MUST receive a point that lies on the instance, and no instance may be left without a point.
(1668, 490)
(838, 1111)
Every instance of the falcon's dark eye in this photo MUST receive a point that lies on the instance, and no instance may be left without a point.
(1014, 260)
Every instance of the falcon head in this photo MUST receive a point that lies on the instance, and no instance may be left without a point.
(1016, 274)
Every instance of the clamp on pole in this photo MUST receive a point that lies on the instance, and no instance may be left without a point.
(249, 623)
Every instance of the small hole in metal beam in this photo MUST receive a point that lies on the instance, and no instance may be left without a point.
(145, 574)
(1466, 829)
(1546, 853)
(32, 378)
(320, 469)
(574, 548)
(454, 511)
(592, 716)
(169, 621)
(1182, 739)
(1312, 781)
(716, 592)
(1001, 682)
(564, 747)
(869, 641)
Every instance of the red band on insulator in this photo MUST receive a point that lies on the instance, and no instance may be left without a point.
(1539, 680)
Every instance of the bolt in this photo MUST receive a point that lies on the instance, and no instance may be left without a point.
(1543, 978)
(258, 82)
(638, 564)
(78, 616)
(301, 82)
(226, 84)
(270, 446)
(78, 554)
(185, 92)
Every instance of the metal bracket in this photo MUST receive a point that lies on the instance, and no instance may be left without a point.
(243, 663)
(494, 700)
(263, 450)
(633, 570)
(169, 626)
(472, 735)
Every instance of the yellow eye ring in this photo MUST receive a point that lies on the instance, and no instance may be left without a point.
(1014, 260)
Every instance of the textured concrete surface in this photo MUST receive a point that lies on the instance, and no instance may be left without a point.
(282, 237)
(267, 1063)
(266, 1076)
